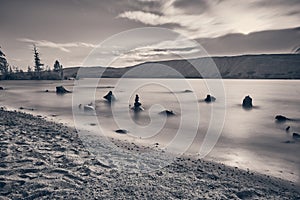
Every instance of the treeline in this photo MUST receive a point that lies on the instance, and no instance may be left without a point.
(37, 72)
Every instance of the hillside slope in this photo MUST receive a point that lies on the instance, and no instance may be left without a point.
(271, 66)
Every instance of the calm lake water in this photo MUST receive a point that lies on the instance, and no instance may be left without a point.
(248, 138)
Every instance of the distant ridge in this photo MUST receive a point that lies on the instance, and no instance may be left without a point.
(263, 66)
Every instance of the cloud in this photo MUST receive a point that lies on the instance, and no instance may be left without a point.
(192, 6)
(146, 18)
(215, 18)
(178, 48)
(61, 46)
(273, 41)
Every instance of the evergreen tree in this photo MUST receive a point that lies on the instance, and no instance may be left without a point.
(37, 61)
(16, 69)
(29, 70)
(3, 65)
(58, 68)
(61, 72)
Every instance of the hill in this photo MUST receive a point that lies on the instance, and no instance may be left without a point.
(266, 66)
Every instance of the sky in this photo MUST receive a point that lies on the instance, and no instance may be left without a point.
(69, 30)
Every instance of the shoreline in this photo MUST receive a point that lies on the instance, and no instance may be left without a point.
(125, 142)
(44, 159)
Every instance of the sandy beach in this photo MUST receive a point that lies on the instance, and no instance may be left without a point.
(46, 160)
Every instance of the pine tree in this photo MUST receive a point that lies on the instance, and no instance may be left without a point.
(37, 61)
(61, 72)
(3, 65)
(16, 69)
(29, 70)
(58, 68)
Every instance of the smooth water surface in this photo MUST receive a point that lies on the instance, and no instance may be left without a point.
(249, 138)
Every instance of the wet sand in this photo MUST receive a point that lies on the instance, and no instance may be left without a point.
(47, 160)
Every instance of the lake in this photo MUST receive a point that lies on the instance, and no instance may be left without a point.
(249, 139)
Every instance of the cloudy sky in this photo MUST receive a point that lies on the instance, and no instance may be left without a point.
(68, 30)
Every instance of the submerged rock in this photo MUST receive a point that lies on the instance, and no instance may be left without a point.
(288, 142)
(167, 112)
(247, 102)
(187, 91)
(296, 135)
(61, 90)
(281, 118)
(88, 108)
(121, 131)
(209, 98)
(22, 108)
(109, 97)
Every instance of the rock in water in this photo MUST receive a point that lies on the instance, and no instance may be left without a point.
(109, 97)
(136, 101)
(187, 91)
(61, 90)
(281, 118)
(167, 112)
(209, 98)
(137, 105)
(88, 108)
(1, 88)
(247, 102)
(121, 131)
(296, 135)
